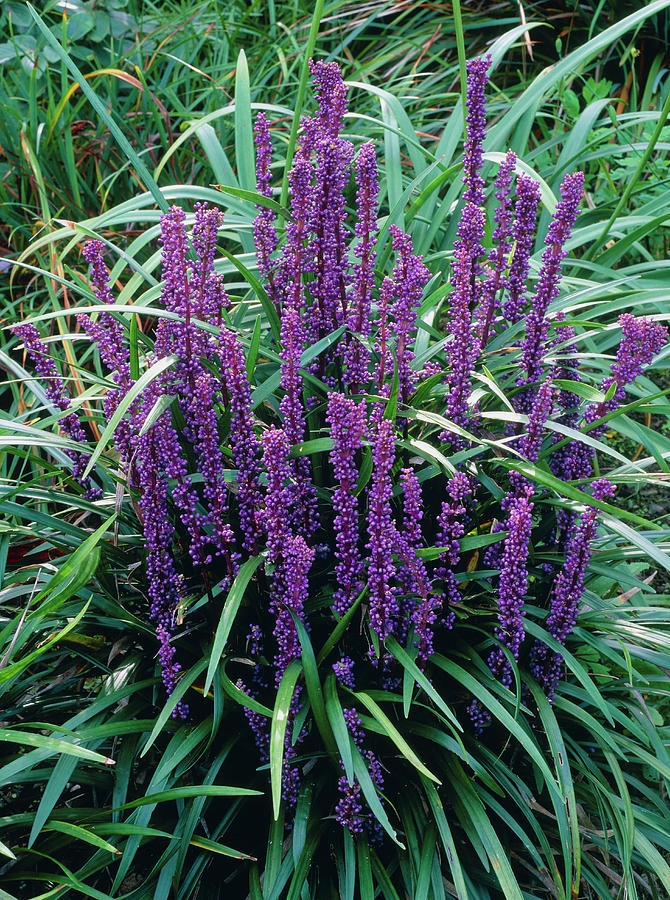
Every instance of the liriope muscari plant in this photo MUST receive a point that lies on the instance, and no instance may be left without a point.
(356, 482)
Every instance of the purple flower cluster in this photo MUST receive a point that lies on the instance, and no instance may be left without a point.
(409, 279)
(641, 340)
(381, 529)
(356, 355)
(475, 127)
(512, 586)
(54, 388)
(497, 277)
(349, 809)
(533, 348)
(347, 421)
(567, 591)
(265, 230)
(523, 232)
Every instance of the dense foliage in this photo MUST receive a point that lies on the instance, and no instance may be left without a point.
(356, 473)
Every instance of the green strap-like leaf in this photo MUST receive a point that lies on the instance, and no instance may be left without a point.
(280, 717)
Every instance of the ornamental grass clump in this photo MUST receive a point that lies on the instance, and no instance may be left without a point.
(360, 518)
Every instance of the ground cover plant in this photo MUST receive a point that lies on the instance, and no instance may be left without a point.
(358, 496)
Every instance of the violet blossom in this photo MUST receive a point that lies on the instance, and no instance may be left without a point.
(496, 279)
(409, 278)
(537, 324)
(381, 530)
(523, 232)
(567, 591)
(356, 356)
(347, 421)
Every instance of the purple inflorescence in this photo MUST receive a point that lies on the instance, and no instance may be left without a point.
(106, 332)
(205, 431)
(537, 324)
(344, 672)
(356, 355)
(293, 337)
(288, 552)
(540, 411)
(207, 292)
(349, 808)
(381, 530)
(475, 122)
(466, 292)
(496, 279)
(296, 561)
(245, 445)
(265, 230)
(523, 232)
(55, 391)
(567, 591)
(347, 421)
(332, 158)
(512, 587)
(384, 364)
(108, 336)
(641, 340)
(413, 575)
(450, 521)
(166, 591)
(409, 279)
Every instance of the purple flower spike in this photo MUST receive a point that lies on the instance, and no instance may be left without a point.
(106, 332)
(344, 672)
(537, 323)
(540, 411)
(349, 808)
(245, 445)
(450, 521)
(278, 496)
(496, 279)
(381, 530)
(475, 121)
(567, 591)
(641, 340)
(209, 294)
(463, 348)
(210, 464)
(297, 559)
(165, 584)
(384, 366)
(347, 422)
(294, 259)
(413, 575)
(356, 356)
(525, 214)
(332, 157)
(410, 277)
(304, 506)
(108, 335)
(513, 586)
(55, 391)
(265, 229)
